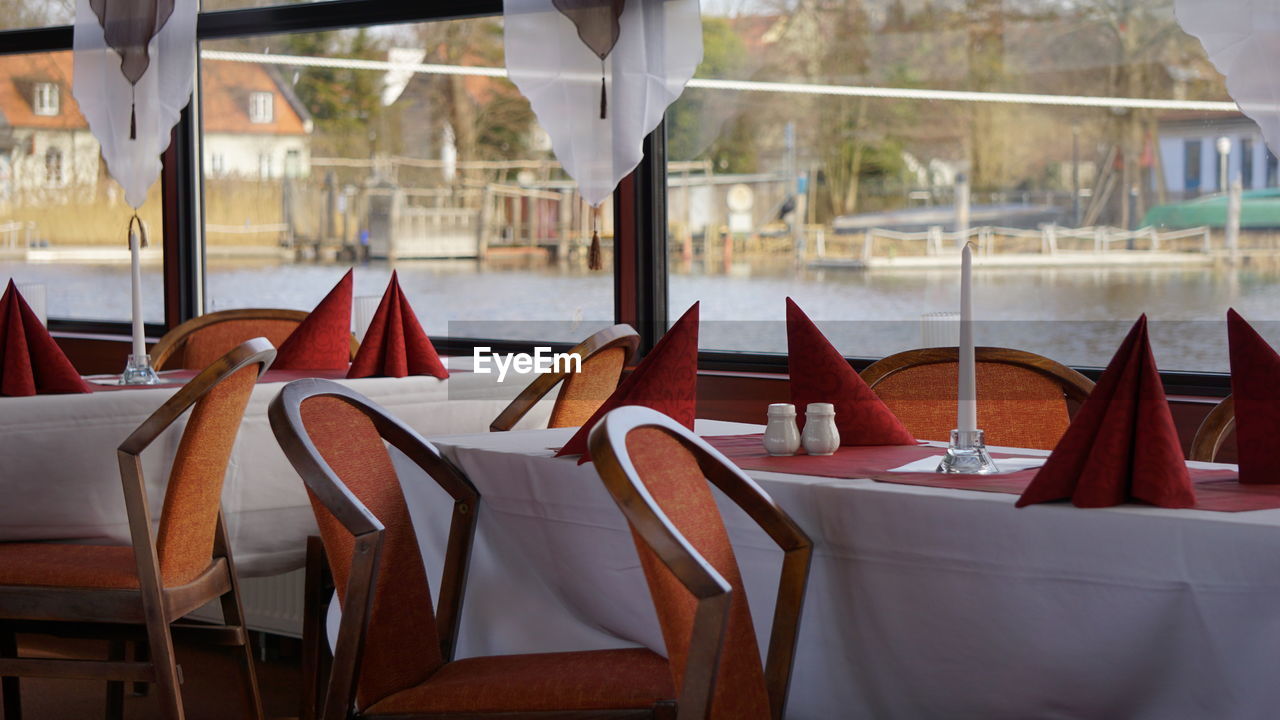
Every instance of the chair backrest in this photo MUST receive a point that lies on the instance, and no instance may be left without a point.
(1216, 427)
(389, 638)
(657, 472)
(1022, 396)
(199, 341)
(604, 354)
(184, 543)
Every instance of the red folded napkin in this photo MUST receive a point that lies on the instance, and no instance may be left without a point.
(666, 380)
(1255, 386)
(819, 373)
(323, 340)
(395, 344)
(1122, 445)
(32, 364)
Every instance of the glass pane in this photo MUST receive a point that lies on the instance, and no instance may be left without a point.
(393, 148)
(868, 139)
(63, 220)
(18, 14)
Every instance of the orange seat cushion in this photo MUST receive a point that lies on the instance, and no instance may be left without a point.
(594, 680)
(1017, 407)
(57, 565)
(582, 393)
(211, 342)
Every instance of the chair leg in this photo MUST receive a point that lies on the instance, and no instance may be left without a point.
(313, 634)
(233, 615)
(9, 686)
(168, 679)
(115, 688)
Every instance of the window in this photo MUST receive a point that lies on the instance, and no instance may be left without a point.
(53, 167)
(1191, 165)
(1272, 167)
(46, 99)
(261, 107)
(217, 163)
(1246, 162)
(293, 163)
(489, 237)
(791, 172)
(63, 219)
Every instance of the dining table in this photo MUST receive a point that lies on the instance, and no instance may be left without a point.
(922, 601)
(60, 481)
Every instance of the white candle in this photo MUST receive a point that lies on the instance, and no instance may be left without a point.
(139, 340)
(967, 386)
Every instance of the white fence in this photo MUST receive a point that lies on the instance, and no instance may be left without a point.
(1047, 240)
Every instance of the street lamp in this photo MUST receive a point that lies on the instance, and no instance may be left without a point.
(1224, 152)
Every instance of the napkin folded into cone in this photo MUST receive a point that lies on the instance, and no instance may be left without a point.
(819, 373)
(32, 364)
(666, 381)
(323, 340)
(1255, 389)
(395, 344)
(1122, 445)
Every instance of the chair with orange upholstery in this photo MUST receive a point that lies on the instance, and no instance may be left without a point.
(658, 473)
(604, 354)
(199, 341)
(393, 653)
(1022, 397)
(1214, 430)
(138, 592)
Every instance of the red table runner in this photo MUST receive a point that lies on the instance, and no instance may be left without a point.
(1217, 490)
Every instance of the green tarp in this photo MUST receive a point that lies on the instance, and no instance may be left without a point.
(1258, 209)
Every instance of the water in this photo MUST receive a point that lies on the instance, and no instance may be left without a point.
(1075, 315)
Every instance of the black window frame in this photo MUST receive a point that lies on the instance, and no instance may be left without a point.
(640, 263)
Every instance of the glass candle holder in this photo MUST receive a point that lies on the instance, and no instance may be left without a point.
(139, 371)
(967, 455)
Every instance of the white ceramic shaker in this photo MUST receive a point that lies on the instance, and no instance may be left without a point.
(781, 436)
(820, 434)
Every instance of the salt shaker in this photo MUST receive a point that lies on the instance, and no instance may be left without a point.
(781, 436)
(820, 434)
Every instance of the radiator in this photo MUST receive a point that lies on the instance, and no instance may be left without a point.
(271, 604)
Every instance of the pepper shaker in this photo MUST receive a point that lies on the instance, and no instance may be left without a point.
(820, 434)
(781, 436)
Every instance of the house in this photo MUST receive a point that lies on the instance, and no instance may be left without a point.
(254, 126)
(1191, 161)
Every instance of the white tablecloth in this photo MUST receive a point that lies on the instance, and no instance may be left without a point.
(922, 603)
(59, 479)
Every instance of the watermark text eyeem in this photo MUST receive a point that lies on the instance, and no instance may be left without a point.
(541, 360)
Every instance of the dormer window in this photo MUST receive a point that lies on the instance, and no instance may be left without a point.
(46, 99)
(261, 107)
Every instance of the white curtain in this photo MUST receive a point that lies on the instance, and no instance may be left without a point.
(658, 49)
(1242, 39)
(107, 99)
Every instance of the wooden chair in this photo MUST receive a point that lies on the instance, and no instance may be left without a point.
(1022, 396)
(657, 471)
(201, 340)
(604, 354)
(1213, 431)
(393, 654)
(138, 592)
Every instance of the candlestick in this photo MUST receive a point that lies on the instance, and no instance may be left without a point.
(135, 258)
(967, 451)
(138, 370)
(966, 384)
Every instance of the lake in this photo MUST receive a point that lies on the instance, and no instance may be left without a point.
(1075, 315)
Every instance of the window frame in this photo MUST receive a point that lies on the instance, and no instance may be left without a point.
(640, 267)
(46, 99)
